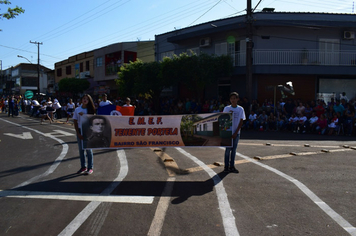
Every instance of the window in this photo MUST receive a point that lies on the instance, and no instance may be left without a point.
(329, 51)
(68, 70)
(99, 61)
(81, 67)
(221, 49)
(205, 127)
(167, 54)
(87, 68)
(59, 72)
(233, 49)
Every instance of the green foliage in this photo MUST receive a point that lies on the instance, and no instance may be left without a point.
(186, 125)
(195, 72)
(11, 12)
(73, 85)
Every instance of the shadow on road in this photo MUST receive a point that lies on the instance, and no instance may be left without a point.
(182, 190)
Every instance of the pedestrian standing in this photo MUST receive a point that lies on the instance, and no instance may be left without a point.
(238, 116)
(87, 107)
(11, 106)
(105, 101)
(127, 102)
(70, 109)
(58, 108)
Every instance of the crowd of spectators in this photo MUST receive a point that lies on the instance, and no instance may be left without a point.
(334, 117)
(291, 115)
(294, 115)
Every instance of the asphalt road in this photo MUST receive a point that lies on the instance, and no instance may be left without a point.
(289, 184)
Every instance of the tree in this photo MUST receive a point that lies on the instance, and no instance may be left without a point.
(138, 78)
(195, 72)
(198, 72)
(11, 12)
(73, 85)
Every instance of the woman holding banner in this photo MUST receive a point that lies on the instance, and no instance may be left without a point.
(87, 107)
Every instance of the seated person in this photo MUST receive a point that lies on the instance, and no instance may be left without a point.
(333, 123)
(311, 124)
(301, 122)
(271, 122)
(321, 124)
(250, 123)
(292, 122)
(262, 121)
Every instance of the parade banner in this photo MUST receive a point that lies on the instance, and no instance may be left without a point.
(197, 130)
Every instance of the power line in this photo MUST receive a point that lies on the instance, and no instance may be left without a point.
(130, 27)
(72, 20)
(85, 21)
(205, 12)
(153, 26)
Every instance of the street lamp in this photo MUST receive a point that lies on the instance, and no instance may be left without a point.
(24, 58)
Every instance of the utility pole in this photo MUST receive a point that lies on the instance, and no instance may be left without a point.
(249, 43)
(38, 65)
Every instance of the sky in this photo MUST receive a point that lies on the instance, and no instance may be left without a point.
(69, 27)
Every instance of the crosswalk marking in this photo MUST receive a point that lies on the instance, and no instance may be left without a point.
(77, 196)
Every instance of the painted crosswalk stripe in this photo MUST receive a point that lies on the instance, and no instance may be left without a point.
(76, 196)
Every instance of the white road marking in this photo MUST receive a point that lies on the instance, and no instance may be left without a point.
(24, 135)
(91, 207)
(224, 205)
(76, 196)
(162, 207)
(335, 216)
(59, 133)
(55, 163)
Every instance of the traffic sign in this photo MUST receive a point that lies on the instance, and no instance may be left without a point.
(28, 94)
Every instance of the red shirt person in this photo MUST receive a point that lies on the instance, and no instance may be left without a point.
(319, 110)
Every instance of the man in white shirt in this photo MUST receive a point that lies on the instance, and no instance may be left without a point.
(238, 116)
(310, 124)
(251, 123)
(301, 121)
(34, 105)
(105, 101)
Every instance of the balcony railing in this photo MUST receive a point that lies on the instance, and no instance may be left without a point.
(297, 57)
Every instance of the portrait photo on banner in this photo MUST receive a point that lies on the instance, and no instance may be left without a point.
(96, 131)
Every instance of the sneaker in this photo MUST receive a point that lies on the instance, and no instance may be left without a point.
(82, 170)
(226, 169)
(89, 172)
(234, 170)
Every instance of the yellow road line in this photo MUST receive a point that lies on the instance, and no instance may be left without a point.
(286, 145)
(173, 169)
(301, 154)
(171, 166)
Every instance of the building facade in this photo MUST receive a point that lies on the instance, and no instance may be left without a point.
(316, 51)
(100, 66)
(24, 77)
(79, 66)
